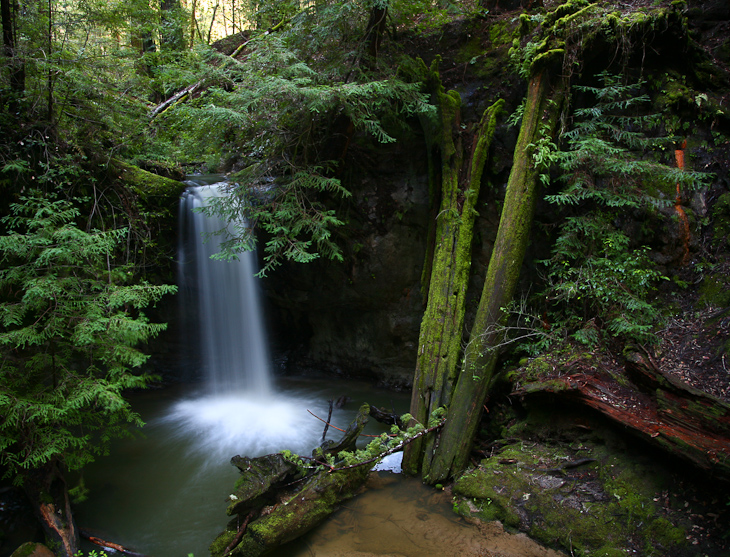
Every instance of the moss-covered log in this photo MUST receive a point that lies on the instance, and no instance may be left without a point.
(296, 515)
(274, 503)
(542, 108)
(443, 321)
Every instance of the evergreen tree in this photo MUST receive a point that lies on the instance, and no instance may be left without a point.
(69, 330)
(286, 114)
(599, 280)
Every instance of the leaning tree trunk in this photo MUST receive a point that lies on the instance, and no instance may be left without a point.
(542, 109)
(443, 321)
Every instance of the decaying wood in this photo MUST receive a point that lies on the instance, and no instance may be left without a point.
(47, 492)
(240, 533)
(384, 417)
(683, 421)
(118, 548)
(264, 477)
(287, 503)
(179, 96)
(277, 502)
(349, 438)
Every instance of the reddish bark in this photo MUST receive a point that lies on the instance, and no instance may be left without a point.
(687, 423)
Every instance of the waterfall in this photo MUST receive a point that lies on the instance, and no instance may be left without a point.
(237, 409)
(230, 328)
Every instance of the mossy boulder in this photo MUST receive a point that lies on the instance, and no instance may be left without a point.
(32, 549)
(572, 486)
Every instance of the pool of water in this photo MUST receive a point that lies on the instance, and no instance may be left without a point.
(165, 494)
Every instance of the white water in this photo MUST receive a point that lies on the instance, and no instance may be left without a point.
(230, 329)
(238, 409)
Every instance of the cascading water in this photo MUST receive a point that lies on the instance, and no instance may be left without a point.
(165, 494)
(235, 355)
(238, 406)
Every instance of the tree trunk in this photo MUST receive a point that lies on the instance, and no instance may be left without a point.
(443, 321)
(8, 11)
(46, 490)
(542, 109)
(172, 33)
(193, 23)
(374, 33)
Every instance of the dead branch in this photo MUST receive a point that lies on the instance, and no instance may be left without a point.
(239, 534)
(180, 95)
(392, 450)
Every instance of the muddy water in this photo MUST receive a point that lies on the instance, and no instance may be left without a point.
(400, 517)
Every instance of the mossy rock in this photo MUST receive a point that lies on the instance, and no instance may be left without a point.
(573, 488)
(714, 291)
(146, 184)
(32, 549)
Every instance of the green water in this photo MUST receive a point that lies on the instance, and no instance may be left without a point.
(165, 494)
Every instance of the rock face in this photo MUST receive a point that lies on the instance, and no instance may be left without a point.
(361, 316)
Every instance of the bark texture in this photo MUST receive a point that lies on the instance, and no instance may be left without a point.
(46, 490)
(443, 322)
(543, 105)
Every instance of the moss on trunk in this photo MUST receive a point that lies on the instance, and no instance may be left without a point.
(542, 109)
(443, 321)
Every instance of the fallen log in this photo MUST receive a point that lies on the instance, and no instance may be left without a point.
(190, 89)
(658, 408)
(280, 503)
(179, 96)
(281, 497)
(118, 548)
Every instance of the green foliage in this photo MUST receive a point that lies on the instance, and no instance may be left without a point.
(598, 278)
(286, 117)
(426, 16)
(68, 329)
(80, 83)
